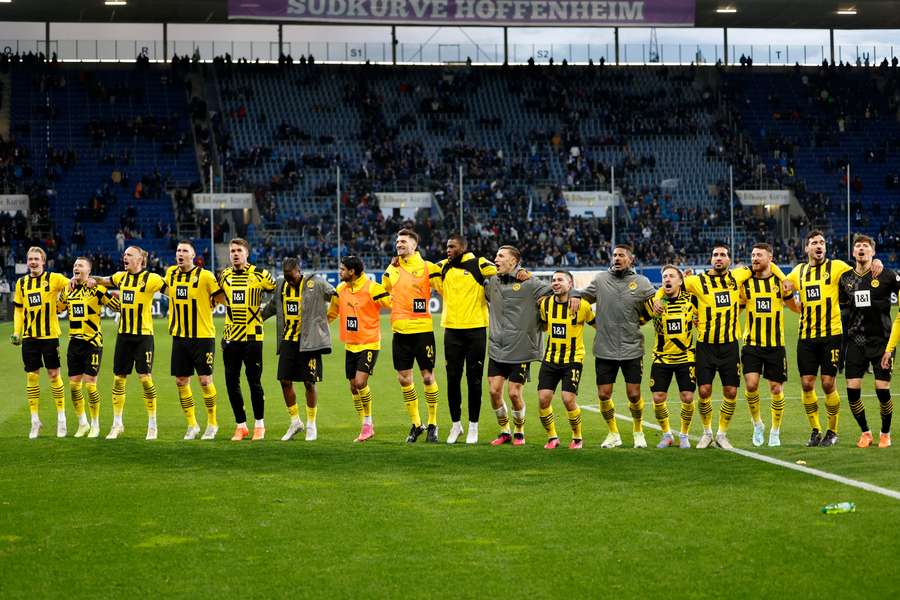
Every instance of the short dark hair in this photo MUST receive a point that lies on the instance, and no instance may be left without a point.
(289, 264)
(460, 239)
(513, 250)
(353, 263)
(764, 246)
(722, 245)
(812, 234)
(627, 247)
(409, 233)
(187, 243)
(85, 259)
(860, 238)
(240, 242)
(567, 274)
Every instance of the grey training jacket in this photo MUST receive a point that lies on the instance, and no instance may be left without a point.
(516, 333)
(315, 297)
(619, 299)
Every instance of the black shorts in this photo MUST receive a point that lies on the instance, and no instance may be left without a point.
(294, 365)
(858, 358)
(360, 361)
(133, 352)
(40, 353)
(722, 359)
(192, 354)
(83, 358)
(514, 372)
(820, 353)
(771, 363)
(551, 376)
(607, 370)
(661, 377)
(409, 348)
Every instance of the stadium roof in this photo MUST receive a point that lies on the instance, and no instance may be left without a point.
(800, 14)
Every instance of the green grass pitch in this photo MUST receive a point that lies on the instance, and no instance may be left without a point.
(97, 518)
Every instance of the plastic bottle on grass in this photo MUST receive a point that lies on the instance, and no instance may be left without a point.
(839, 507)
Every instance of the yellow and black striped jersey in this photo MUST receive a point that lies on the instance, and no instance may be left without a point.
(674, 328)
(292, 309)
(243, 293)
(819, 289)
(191, 302)
(38, 299)
(718, 300)
(565, 330)
(84, 306)
(136, 297)
(763, 301)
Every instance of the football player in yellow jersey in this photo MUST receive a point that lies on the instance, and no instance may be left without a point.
(673, 354)
(763, 353)
(300, 304)
(563, 357)
(193, 291)
(242, 342)
(36, 329)
(357, 305)
(84, 306)
(134, 342)
(409, 279)
(821, 332)
(465, 320)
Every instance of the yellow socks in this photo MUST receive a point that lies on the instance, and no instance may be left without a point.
(209, 400)
(357, 404)
(811, 406)
(687, 415)
(608, 410)
(753, 405)
(118, 397)
(832, 408)
(575, 422)
(33, 393)
(777, 410)
(431, 401)
(311, 414)
(294, 412)
(58, 391)
(548, 421)
(637, 413)
(93, 400)
(186, 397)
(365, 397)
(411, 399)
(502, 418)
(661, 410)
(150, 396)
(726, 412)
(706, 410)
(77, 397)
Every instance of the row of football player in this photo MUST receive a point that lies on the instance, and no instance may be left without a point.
(479, 294)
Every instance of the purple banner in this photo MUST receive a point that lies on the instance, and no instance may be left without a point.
(544, 13)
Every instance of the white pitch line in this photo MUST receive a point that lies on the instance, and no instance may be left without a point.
(862, 485)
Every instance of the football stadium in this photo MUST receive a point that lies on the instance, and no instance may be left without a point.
(449, 298)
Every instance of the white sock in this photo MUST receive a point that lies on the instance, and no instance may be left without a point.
(151, 422)
(35, 419)
(457, 425)
(61, 415)
(501, 412)
(367, 420)
(95, 422)
(241, 424)
(310, 424)
(473, 425)
(259, 423)
(117, 421)
(82, 419)
(295, 420)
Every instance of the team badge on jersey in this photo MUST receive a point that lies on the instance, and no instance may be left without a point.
(632, 286)
(517, 287)
(875, 283)
(310, 284)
